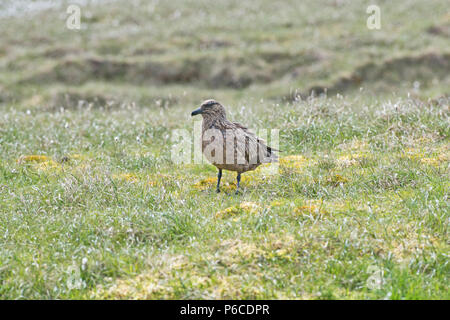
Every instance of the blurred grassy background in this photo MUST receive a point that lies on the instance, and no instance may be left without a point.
(156, 53)
(91, 205)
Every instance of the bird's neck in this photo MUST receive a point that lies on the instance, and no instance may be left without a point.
(209, 121)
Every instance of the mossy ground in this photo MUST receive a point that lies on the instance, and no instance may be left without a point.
(91, 205)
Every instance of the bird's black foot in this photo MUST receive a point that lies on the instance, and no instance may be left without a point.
(219, 175)
(238, 178)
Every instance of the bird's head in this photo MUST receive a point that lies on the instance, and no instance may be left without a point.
(210, 108)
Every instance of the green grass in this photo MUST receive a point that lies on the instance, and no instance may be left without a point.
(363, 181)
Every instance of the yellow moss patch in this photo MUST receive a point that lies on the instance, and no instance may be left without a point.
(336, 180)
(47, 165)
(143, 286)
(236, 249)
(237, 271)
(228, 212)
(149, 285)
(33, 158)
(250, 207)
(249, 178)
(210, 183)
(277, 246)
(39, 162)
(277, 241)
(130, 177)
(295, 162)
(244, 207)
(229, 187)
(428, 155)
(314, 206)
(430, 161)
(350, 160)
(435, 161)
(308, 209)
(77, 157)
(409, 242)
(205, 184)
(279, 203)
(227, 287)
(414, 153)
(261, 174)
(352, 153)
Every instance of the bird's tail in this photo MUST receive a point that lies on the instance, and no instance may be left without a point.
(270, 155)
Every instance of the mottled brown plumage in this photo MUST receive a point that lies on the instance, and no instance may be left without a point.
(230, 145)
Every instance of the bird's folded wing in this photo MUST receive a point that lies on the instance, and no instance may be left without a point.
(248, 148)
(260, 141)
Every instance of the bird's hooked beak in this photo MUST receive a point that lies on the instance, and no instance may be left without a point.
(196, 112)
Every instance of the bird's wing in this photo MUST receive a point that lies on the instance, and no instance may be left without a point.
(248, 145)
(240, 126)
(261, 141)
(267, 152)
(239, 145)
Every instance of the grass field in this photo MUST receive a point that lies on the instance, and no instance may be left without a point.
(92, 206)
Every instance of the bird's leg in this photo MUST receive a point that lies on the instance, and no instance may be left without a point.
(219, 175)
(238, 178)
